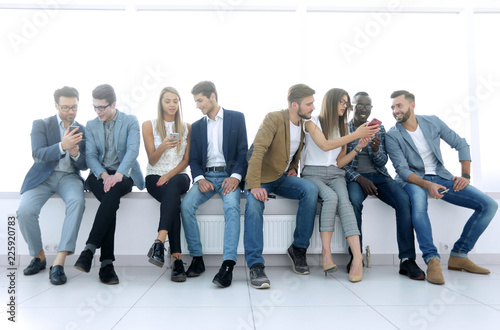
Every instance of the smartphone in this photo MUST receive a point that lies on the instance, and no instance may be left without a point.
(271, 196)
(72, 127)
(441, 191)
(374, 122)
(175, 135)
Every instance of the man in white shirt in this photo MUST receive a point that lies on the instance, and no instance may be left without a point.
(217, 159)
(414, 147)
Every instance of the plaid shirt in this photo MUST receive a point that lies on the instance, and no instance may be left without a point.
(378, 159)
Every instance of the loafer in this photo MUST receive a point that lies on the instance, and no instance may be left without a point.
(57, 276)
(178, 273)
(35, 266)
(107, 275)
(196, 268)
(409, 268)
(156, 254)
(258, 277)
(224, 277)
(84, 262)
(298, 258)
(458, 263)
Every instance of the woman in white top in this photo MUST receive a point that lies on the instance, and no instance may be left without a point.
(323, 157)
(167, 142)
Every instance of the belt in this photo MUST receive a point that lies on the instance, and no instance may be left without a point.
(215, 169)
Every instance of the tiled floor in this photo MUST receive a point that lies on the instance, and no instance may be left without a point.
(147, 299)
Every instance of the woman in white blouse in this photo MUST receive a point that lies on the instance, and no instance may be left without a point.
(323, 157)
(167, 141)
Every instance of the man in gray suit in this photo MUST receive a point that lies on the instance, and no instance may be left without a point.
(413, 145)
(59, 153)
(113, 146)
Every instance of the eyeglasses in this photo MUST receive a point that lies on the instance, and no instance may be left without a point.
(65, 108)
(101, 108)
(363, 106)
(342, 102)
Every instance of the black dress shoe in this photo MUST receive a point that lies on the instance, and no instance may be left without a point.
(156, 254)
(84, 262)
(35, 266)
(409, 268)
(57, 276)
(178, 273)
(196, 268)
(107, 275)
(225, 275)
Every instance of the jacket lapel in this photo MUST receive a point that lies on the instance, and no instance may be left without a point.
(204, 141)
(117, 129)
(406, 136)
(53, 133)
(226, 124)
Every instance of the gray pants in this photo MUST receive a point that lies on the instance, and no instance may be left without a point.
(334, 198)
(69, 187)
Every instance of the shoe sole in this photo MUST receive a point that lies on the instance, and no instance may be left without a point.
(80, 268)
(219, 284)
(194, 274)
(293, 265)
(418, 278)
(262, 286)
(178, 278)
(465, 270)
(155, 262)
(110, 283)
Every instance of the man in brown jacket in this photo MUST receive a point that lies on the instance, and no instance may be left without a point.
(272, 168)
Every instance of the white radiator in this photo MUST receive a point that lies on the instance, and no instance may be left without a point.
(278, 235)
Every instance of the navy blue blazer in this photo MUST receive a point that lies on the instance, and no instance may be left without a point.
(234, 144)
(45, 138)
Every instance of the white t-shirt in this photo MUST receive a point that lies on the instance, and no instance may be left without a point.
(294, 142)
(425, 151)
(313, 155)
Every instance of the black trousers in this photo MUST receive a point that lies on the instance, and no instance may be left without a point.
(169, 195)
(102, 234)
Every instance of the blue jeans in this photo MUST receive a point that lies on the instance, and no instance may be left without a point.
(194, 198)
(391, 193)
(484, 210)
(69, 186)
(290, 187)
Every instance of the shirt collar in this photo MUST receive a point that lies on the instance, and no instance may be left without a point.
(220, 114)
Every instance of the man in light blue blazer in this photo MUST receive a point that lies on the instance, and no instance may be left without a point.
(218, 164)
(59, 153)
(113, 140)
(413, 145)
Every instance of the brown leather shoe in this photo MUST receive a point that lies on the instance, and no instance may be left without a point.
(457, 263)
(434, 272)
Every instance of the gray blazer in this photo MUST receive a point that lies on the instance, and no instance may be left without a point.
(127, 143)
(404, 154)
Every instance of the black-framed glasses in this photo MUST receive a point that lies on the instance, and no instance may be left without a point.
(364, 106)
(101, 108)
(65, 108)
(342, 102)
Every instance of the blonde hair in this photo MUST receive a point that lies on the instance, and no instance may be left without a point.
(329, 117)
(178, 124)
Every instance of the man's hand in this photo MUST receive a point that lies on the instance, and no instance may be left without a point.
(70, 139)
(291, 172)
(204, 185)
(367, 185)
(111, 180)
(260, 194)
(229, 184)
(375, 143)
(433, 190)
(460, 183)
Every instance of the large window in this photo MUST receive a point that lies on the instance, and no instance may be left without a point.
(253, 53)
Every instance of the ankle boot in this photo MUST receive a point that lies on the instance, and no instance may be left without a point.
(156, 254)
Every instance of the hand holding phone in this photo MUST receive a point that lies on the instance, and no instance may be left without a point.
(72, 127)
(174, 135)
(442, 191)
(374, 122)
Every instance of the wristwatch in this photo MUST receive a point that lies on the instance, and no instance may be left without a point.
(465, 175)
(357, 151)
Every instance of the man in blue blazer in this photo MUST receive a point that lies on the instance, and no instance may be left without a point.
(414, 147)
(112, 148)
(59, 153)
(218, 164)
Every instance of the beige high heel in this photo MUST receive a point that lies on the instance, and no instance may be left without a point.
(356, 278)
(329, 268)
